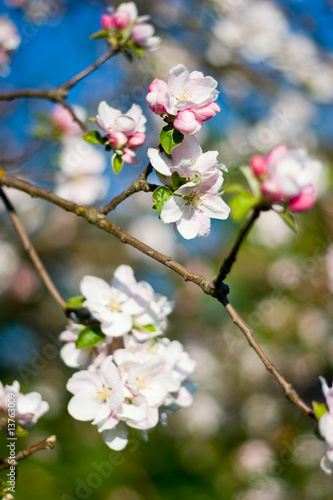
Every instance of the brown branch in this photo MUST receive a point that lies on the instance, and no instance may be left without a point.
(29, 248)
(95, 217)
(287, 388)
(230, 259)
(140, 184)
(65, 104)
(47, 444)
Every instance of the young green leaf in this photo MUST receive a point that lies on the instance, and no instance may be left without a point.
(93, 137)
(288, 218)
(319, 409)
(75, 302)
(89, 336)
(117, 163)
(149, 328)
(170, 137)
(100, 34)
(177, 180)
(160, 196)
(241, 204)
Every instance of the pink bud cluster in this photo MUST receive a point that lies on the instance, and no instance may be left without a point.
(126, 132)
(287, 176)
(126, 17)
(188, 99)
(132, 376)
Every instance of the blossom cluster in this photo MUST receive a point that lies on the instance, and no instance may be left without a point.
(126, 132)
(10, 40)
(326, 428)
(131, 375)
(195, 179)
(81, 166)
(26, 409)
(287, 176)
(125, 23)
(188, 99)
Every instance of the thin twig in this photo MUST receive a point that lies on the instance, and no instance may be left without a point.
(230, 259)
(47, 444)
(29, 248)
(140, 184)
(287, 388)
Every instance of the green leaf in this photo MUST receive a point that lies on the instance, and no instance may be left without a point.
(177, 180)
(128, 55)
(288, 218)
(235, 188)
(149, 328)
(241, 204)
(319, 409)
(89, 336)
(100, 34)
(251, 179)
(75, 302)
(160, 196)
(93, 137)
(170, 137)
(137, 49)
(117, 163)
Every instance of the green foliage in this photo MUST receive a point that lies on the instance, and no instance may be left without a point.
(75, 302)
(160, 196)
(93, 137)
(117, 163)
(319, 409)
(100, 34)
(288, 218)
(177, 181)
(89, 336)
(170, 137)
(241, 204)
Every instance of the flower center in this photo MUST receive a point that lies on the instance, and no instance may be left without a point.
(186, 96)
(103, 394)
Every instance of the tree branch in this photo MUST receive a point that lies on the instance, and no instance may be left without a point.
(29, 248)
(47, 444)
(140, 184)
(230, 259)
(287, 388)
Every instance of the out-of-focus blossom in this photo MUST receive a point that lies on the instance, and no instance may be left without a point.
(253, 457)
(326, 428)
(63, 119)
(188, 98)
(287, 176)
(271, 231)
(9, 41)
(126, 18)
(26, 409)
(81, 179)
(125, 131)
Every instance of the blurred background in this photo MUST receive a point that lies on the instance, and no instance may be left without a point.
(240, 440)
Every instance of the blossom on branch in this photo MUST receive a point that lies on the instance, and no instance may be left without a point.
(9, 41)
(126, 28)
(63, 119)
(188, 99)
(326, 428)
(26, 409)
(287, 176)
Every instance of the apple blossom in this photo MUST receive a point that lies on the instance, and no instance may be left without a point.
(116, 305)
(125, 21)
(187, 98)
(9, 41)
(326, 428)
(63, 119)
(125, 131)
(28, 408)
(187, 160)
(287, 176)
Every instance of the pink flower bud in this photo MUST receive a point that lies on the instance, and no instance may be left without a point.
(208, 111)
(64, 120)
(157, 96)
(187, 122)
(129, 157)
(271, 190)
(117, 140)
(121, 19)
(107, 21)
(258, 165)
(304, 201)
(136, 140)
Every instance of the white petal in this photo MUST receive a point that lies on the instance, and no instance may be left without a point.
(116, 438)
(159, 161)
(214, 207)
(189, 148)
(173, 209)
